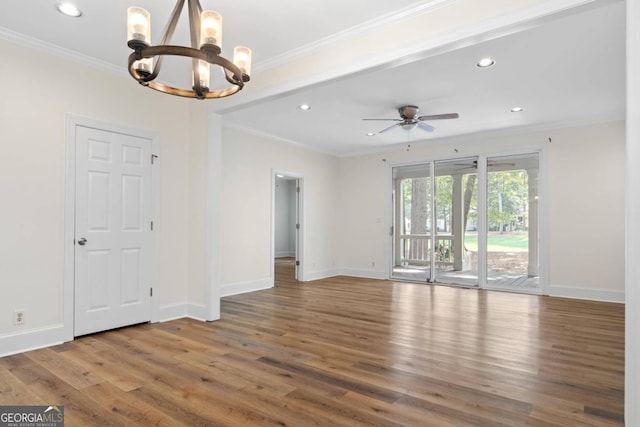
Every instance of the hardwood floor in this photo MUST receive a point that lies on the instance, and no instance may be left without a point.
(343, 352)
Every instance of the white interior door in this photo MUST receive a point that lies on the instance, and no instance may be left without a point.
(112, 231)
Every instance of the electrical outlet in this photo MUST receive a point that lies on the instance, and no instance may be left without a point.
(373, 263)
(18, 317)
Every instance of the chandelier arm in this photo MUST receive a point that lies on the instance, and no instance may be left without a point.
(166, 36)
(194, 28)
(173, 22)
(194, 22)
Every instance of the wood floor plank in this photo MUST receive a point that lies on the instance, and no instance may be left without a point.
(343, 352)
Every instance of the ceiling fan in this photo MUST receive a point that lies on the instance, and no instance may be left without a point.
(409, 119)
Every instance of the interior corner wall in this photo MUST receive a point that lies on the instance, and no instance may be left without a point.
(585, 204)
(197, 210)
(248, 164)
(35, 103)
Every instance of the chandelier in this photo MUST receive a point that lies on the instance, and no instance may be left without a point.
(205, 27)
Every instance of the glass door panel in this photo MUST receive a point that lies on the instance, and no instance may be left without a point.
(412, 218)
(512, 222)
(455, 209)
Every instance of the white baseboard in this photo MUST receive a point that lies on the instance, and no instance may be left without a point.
(197, 311)
(19, 342)
(587, 294)
(244, 287)
(172, 312)
(322, 274)
(365, 274)
(178, 311)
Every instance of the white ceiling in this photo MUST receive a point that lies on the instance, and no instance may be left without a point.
(567, 71)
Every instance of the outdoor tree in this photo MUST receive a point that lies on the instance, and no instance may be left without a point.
(419, 206)
(507, 196)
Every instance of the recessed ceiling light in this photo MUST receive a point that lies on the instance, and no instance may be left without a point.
(371, 134)
(279, 175)
(305, 107)
(517, 109)
(485, 62)
(69, 10)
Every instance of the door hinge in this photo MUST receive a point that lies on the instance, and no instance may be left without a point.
(150, 292)
(151, 225)
(297, 189)
(391, 231)
(153, 158)
(297, 226)
(297, 263)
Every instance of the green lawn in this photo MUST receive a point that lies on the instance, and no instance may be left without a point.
(508, 242)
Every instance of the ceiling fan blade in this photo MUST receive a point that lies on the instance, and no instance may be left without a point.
(439, 116)
(389, 128)
(426, 127)
(395, 120)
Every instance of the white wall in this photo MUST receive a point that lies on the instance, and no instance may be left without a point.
(32, 170)
(285, 217)
(587, 170)
(248, 161)
(585, 200)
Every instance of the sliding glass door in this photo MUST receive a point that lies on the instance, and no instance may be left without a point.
(440, 235)
(512, 222)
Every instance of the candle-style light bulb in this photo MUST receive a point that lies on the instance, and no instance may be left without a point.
(242, 59)
(138, 25)
(210, 28)
(204, 69)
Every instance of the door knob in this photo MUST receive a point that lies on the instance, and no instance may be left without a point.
(82, 241)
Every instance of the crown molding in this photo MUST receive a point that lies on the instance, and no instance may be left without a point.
(349, 33)
(24, 40)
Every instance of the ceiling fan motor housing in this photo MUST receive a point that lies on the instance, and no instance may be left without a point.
(408, 112)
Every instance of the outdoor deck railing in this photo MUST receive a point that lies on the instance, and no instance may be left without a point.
(416, 249)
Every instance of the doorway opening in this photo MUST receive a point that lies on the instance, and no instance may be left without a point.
(287, 228)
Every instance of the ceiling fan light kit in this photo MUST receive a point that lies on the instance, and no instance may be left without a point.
(206, 41)
(69, 9)
(409, 121)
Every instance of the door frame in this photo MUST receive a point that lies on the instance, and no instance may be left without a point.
(300, 218)
(72, 122)
(543, 210)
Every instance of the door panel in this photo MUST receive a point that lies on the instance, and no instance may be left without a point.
(97, 279)
(113, 214)
(512, 229)
(413, 223)
(434, 206)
